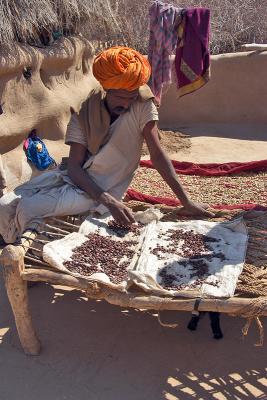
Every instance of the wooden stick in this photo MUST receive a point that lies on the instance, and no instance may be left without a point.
(53, 234)
(56, 278)
(55, 228)
(37, 266)
(139, 300)
(12, 262)
(41, 241)
(34, 249)
(65, 223)
(36, 260)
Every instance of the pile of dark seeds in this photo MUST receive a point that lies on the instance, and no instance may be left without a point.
(122, 230)
(102, 254)
(195, 248)
(169, 281)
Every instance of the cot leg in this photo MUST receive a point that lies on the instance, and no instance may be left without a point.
(193, 323)
(215, 325)
(12, 261)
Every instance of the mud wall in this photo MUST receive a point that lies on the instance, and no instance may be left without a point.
(235, 94)
(38, 88)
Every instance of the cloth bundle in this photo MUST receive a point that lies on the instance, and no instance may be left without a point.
(37, 152)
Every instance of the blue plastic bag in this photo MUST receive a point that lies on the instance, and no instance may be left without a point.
(36, 152)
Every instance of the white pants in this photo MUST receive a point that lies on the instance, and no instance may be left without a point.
(30, 202)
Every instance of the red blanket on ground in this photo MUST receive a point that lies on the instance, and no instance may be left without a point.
(188, 168)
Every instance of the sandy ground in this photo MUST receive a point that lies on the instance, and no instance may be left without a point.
(207, 150)
(95, 351)
(234, 145)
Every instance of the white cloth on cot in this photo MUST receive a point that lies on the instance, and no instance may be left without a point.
(230, 239)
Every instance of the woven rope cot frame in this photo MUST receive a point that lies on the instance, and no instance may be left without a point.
(17, 272)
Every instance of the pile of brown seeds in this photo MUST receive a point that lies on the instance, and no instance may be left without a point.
(102, 254)
(122, 230)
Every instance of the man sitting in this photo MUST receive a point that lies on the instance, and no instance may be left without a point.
(105, 141)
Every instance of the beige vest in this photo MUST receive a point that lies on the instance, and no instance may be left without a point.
(94, 118)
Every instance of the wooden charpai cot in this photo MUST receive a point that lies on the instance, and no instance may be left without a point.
(22, 262)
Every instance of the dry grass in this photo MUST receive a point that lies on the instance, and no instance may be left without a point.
(109, 22)
(233, 23)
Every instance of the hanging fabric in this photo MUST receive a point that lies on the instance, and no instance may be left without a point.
(164, 22)
(186, 33)
(192, 59)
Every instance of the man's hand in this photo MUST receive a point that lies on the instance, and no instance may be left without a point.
(196, 209)
(122, 214)
(164, 166)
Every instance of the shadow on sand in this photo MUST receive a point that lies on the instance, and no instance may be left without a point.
(93, 350)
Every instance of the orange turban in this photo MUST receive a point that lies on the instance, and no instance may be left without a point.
(121, 68)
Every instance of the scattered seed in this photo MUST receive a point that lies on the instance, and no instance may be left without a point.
(102, 254)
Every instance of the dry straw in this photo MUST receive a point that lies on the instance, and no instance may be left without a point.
(111, 22)
(25, 20)
(233, 23)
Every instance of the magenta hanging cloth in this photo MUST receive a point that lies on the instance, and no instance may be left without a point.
(192, 60)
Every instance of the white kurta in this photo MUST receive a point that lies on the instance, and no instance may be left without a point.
(54, 194)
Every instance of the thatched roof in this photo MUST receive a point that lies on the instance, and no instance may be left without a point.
(25, 20)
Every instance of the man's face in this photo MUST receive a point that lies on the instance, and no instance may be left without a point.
(119, 100)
